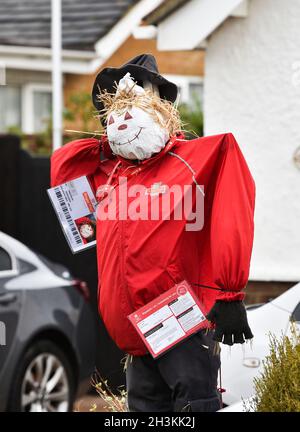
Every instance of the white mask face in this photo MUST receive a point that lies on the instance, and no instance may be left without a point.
(134, 134)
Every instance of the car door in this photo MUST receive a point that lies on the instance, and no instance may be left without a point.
(10, 301)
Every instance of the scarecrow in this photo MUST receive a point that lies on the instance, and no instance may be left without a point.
(140, 258)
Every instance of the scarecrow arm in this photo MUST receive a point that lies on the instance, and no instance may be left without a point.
(75, 159)
(231, 241)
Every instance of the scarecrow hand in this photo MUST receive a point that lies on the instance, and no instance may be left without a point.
(231, 323)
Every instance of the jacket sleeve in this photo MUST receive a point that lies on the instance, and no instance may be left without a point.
(75, 159)
(232, 225)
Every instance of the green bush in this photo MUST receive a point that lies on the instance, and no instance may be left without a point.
(80, 110)
(36, 144)
(278, 387)
(81, 113)
(192, 118)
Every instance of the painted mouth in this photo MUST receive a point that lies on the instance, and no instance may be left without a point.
(130, 141)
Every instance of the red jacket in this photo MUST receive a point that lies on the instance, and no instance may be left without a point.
(140, 259)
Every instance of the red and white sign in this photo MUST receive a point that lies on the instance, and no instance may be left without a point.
(173, 316)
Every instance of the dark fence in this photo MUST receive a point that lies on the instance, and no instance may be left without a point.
(27, 214)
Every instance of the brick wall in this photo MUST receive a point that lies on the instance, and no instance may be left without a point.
(176, 62)
(261, 292)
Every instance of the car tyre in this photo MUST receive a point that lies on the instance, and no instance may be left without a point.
(44, 380)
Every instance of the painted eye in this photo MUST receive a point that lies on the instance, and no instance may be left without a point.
(127, 116)
(111, 120)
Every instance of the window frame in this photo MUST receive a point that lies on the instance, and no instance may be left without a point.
(27, 107)
(183, 82)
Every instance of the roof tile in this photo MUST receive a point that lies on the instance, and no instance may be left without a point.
(28, 22)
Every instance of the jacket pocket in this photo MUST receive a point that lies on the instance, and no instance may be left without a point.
(203, 405)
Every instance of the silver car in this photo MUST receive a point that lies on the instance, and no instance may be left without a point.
(47, 332)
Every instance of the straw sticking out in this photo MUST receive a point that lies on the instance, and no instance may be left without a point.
(163, 111)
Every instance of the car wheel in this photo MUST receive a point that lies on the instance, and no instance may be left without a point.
(44, 381)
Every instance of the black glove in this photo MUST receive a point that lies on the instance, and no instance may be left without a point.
(231, 322)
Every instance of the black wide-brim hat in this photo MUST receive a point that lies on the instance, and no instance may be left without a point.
(142, 68)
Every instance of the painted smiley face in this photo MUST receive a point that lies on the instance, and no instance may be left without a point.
(126, 127)
(134, 133)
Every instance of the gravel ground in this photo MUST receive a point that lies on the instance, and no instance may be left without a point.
(90, 402)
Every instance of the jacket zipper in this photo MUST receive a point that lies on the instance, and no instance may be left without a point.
(122, 258)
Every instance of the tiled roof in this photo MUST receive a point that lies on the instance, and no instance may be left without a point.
(28, 22)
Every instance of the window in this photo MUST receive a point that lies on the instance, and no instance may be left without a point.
(36, 107)
(10, 98)
(296, 313)
(195, 93)
(5, 260)
(190, 88)
(41, 110)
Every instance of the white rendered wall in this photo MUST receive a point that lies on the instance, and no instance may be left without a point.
(252, 88)
(191, 23)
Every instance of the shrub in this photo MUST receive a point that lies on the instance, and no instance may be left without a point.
(192, 118)
(278, 387)
(80, 112)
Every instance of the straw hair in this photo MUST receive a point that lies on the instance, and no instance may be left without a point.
(162, 111)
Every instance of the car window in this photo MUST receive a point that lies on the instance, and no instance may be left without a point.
(296, 313)
(5, 260)
(25, 267)
(57, 268)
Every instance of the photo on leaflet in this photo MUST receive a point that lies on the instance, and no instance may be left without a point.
(87, 228)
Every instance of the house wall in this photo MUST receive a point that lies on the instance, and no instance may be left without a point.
(252, 89)
(22, 77)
